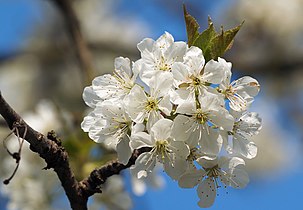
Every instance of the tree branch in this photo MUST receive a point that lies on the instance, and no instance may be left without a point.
(49, 148)
(54, 155)
(91, 184)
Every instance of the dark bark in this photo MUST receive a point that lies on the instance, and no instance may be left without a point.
(50, 149)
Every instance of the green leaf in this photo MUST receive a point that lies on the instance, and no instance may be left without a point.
(223, 42)
(192, 27)
(204, 39)
(212, 44)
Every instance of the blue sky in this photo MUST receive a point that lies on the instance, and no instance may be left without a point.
(278, 192)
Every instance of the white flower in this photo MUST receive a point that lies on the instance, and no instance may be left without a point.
(159, 56)
(241, 92)
(164, 149)
(193, 78)
(110, 123)
(229, 171)
(249, 124)
(149, 107)
(111, 86)
(195, 126)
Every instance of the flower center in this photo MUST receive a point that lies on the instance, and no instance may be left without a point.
(201, 116)
(192, 155)
(151, 104)
(229, 92)
(213, 172)
(124, 82)
(161, 148)
(163, 65)
(195, 81)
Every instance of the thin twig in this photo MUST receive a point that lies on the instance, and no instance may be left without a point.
(91, 184)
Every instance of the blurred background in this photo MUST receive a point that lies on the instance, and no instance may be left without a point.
(38, 59)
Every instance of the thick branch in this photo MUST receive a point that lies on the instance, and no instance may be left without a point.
(80, 45)
(54, 155)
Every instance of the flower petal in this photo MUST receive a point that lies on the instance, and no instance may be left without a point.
(191, 178)
(215, 71)
(123, 150)
(207, 193)
(144, 165)
(161, 130)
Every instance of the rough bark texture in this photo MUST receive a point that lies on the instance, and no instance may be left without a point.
(91, 185)
(49, 148)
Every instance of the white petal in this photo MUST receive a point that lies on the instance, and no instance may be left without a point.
(141, 139)
(250, 123)
(164, 41)
(179, 96)
(153, 117)
(221, 118)
(123, 64)
(230, 162)
(242, 146)
(235, 162)
(107, 87)
(194, 59)
(247, 85)
(182, 128)
(165, 106)
(187, 107)
(90, 97)
(238, 178)
(215, 71)
(210, 101)
(207, 193)
(87, 122)
(161, 83)
(175, 51)
(123, 150)
(207, 163)
(161, 130)
(180, 72)
(144, 165)
(146, 45)
(227, 77)
(135, 104)
(241, 178)
(210, 142)
(180, 149)
(138, 127)
(174, 167)
(191, 178)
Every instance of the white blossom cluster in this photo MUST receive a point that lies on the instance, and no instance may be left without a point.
(192, 117)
